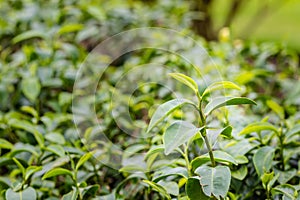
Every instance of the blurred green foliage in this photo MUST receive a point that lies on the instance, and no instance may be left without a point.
(42, 156)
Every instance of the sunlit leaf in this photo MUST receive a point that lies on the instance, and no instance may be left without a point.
(220, 86)
(258, 126)
(276, 108)
(185, 80)
(4, 144)
(83, 159)
(57, 172)
(70, 28)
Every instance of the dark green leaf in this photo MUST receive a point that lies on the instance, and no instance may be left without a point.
(24, 125)
(226, 101)
(226, 132)
(194, 189)
(158, 188)
(90, 191)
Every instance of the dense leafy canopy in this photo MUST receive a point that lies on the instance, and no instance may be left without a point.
(138, 136)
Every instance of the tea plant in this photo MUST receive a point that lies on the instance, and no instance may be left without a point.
(208, 176)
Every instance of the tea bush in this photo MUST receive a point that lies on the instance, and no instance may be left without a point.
(162, 130)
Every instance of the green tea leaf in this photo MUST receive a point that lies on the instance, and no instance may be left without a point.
(226, 132)
(220, 86)
(130, 177)
(158, 188)
(164, 110)
(262, 160)
(226, 101)
(55, 137)
(83, 159)
(4, 144)
(70, 28)
(240, 173)
(25, 125)
(27, 194)
(289, 192)
(266, 178)
(31, 88)
(90, 191)
(56, 149)
(30, 110)
(177, 134)
(154, 149)
(214, 181)
(31, 170)
(185, 80)
(57, 172)
(292, 132)
(240, 159)
(258, 126)
(21, 167)
(194, 190)
(170, 186)
(168, 171)
(28, 35)
(71, 195)
(276, 108)
(220, 156)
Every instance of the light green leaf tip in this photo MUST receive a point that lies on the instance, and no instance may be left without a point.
(188, 81)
